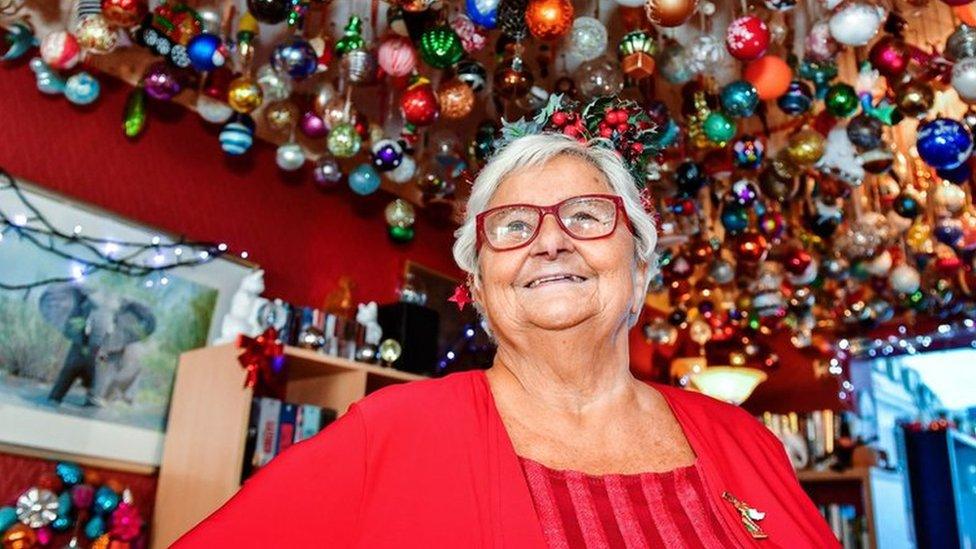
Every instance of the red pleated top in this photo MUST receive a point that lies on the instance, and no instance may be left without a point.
(632, 511)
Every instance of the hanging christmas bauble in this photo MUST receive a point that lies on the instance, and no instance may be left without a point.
(744, 192)
(865, 132)
(778, 187)
(206, 52)
(473, 38)
(587, 39)
(275, 86)
(599, 77)
(961, 43)
(958, 175)
(396, 56)
(472, 73)
(440, 47)
(797, 261)
(483, 12)
(404, 172)
(734, 218)
(359, 66)
(512, 79)
(748, 152)
(237, 136)
(549, 19)
(60, 50)
(82, 88)
(805, 147)
(944, 143)
(964, 78)
(326, 173)
(455, 98)
(914, 98)
(719, 127)
(124, 13)
(772, 225)
(739, 98)
(271, 12)
(213, 110)
(399, 213)
(689, 178)
(841, 100)
(295, 57)
(343, 141)
(281, 116)
(890, 56)
(950, 196)
(290, 157)
(770, 75)
(161, 81)
(312, 125)
(750, 247)
(386, 154)
(797, 98)
(819, 45)
(904, 279)
(511, 18)
(670, 13)
(855, 23)
(244, 94)
(363, 180)
(636, 51)
(706, 52)
(675, 64)
(95, 34)
(906, 206)
(419, 103)
(877, 161)
(747, 38)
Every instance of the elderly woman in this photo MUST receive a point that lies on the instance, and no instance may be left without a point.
(557, 444)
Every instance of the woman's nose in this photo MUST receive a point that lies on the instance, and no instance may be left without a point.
(551, 239)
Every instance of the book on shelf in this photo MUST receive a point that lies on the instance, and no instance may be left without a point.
(846, 524)
(274, 426)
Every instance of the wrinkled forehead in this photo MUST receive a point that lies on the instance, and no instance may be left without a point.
(562, 177)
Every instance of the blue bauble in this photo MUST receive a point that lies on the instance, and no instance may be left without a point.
(958, 175)
(948, 231)
(82, 88)
(387, 154)
(95, 527)
(106, 499)
(205, 52)
(8, 517)
(797, 99)
(943, 143)
(64, 503)
(748, 152)
(364, 179)
(739, 98)
(70, 473)
(296, 57)
(483, 12)
(689, 178)
(906, 206)
(734, 218)
(62, 523)
(236, 137)
(667, 134)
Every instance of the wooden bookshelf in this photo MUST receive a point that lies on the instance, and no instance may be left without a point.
(207, 427)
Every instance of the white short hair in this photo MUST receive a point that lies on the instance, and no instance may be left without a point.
(536, 150)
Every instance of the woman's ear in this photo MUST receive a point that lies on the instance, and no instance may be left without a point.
(640, 285)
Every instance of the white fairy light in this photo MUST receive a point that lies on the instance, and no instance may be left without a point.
(20, 219)
(77, 273)
(222, 247)
(77, 230)
(110, 248)
(244, 255)
(155, 241)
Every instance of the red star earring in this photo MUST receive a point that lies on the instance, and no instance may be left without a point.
(461, 295)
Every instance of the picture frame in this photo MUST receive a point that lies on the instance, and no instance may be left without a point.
(116, 412)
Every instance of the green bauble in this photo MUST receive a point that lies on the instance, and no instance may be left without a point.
(440, 47)
(719, 127)
(401, 234)
(344, 141)
(352, 37)
(841, 100)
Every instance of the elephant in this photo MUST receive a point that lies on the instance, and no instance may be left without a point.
(100, 327)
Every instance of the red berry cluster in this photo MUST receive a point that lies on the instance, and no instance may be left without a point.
(616, 125)
(569, 123)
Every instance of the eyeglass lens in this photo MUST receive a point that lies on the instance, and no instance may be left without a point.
(582, 218)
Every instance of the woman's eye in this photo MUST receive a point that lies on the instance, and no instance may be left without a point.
(517, 227)
(583, 216)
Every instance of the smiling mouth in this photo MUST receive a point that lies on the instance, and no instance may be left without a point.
(552, 279)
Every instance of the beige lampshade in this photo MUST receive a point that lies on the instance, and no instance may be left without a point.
(687, 365)
(728, 383)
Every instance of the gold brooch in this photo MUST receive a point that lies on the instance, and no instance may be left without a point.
(749, 516)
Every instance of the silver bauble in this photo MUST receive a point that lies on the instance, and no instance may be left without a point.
(404, 172)
(964, 78)
(587, 39)
(290, 157)
(961, 43)
(359, 66)
(212, 110)
(274, 85)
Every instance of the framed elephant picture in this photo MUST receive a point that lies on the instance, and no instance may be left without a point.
(87, 364)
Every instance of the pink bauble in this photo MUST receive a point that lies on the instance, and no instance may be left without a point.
(820, 44)
(472, 36)
(396, 56)
(60, 50)
(747, 38)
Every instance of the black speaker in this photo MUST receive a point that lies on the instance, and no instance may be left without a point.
(416, 328)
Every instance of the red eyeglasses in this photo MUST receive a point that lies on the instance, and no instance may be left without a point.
(585, 217)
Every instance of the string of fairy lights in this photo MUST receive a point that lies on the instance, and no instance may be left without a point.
(87, 255)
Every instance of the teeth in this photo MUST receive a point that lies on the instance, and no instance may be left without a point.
(539, 281)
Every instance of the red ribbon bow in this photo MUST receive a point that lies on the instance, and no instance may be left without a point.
(263, 359)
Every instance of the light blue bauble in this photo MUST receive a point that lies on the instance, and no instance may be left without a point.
(8, 517)
(739, 98)
(69, 472)
(483, 12)
(62, 523)
(237, 136)
(82, 89)
(95, 527)
(943, 143)
(364, 179)
(106, 499)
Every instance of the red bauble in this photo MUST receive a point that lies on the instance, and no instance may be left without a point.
(124, 13)
(747, 38)
(890, 56)
(751, 247)
(419, 103)
(797, 261)
(549, 19)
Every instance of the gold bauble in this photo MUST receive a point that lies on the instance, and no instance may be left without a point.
(915, 98)
(244, 94)
(281, 116)
(919, 238)
(334, 112)
(805, 147)
(455, 98)
(670, 13)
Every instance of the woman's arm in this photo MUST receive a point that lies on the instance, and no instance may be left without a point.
(310, 495)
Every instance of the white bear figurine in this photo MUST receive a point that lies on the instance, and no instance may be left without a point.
(366, 315)
(242, 318)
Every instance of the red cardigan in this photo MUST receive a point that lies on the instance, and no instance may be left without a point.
(429, 464)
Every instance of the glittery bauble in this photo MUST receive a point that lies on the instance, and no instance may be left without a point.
(386, 154)
(275, 86)
(399, 213)
(419, 104)
(281, 116)
(326, 173)
(389, 350)
(456, 99)
(747, 38)
(841, 100)
(944, 143)
(473, 37)
(19, 536)
(364, 179)
(295, 57)
(770, 75)
(750, 247)
(396, 56)
(483, 12)
(670, 13)
(856, 23)
(404, 172)
(440, 47)
(244, 94)
(60, 50)
(124, 13)
(721, 271)
(744, 192)
(161, 81)
(95, 34)
(512, 79)
(271, 12)
(964, 78)
(819, 45)
(511, 18)
(471, 73)
(37, 507)
(313, 126)
(599, 77)
(961, 43)
(739, 98)
(82, 88)
(772, 225)
(904, 279)
(950, 196)
(719, 127)
(588, 38)
(290, 157)
(805, 147)
(865, 132)
(344, 141)
(889, 56)
(706, 52)
(748, 152)
(734, 218)
(914, 98)
(549, 19)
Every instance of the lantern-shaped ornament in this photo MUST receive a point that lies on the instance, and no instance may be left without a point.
(636, 51)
